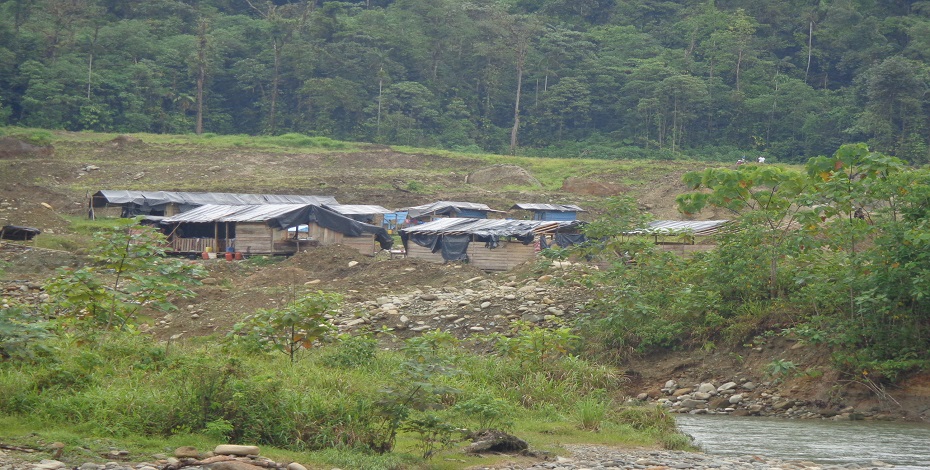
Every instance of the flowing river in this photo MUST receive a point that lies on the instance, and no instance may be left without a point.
(904, 445)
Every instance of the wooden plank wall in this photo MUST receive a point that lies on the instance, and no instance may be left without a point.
(419, 252)
(502, 258)
(365, 244)
(254, 238)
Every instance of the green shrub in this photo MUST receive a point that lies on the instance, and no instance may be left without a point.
(350, 351)
(591, 412)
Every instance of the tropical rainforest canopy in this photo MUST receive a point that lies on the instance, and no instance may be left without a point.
(596, 78)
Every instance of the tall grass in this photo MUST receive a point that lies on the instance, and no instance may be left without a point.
(129, 386)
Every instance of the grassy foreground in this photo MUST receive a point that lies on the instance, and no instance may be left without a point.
(124, 391)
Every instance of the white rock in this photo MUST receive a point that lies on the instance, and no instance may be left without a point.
(232, 449)
(726, 386)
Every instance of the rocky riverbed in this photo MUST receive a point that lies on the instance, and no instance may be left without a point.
(741, 397)
(576, 457)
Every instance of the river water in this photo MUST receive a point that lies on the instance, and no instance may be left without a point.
(905, 445)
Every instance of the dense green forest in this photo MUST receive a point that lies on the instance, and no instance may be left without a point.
(598, 78)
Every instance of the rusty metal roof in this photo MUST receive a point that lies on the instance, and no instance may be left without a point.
(488, 227)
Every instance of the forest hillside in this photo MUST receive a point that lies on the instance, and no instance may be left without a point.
(594, 78)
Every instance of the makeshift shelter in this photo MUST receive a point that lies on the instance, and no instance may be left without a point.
(559, 212)
(682, 235)
(489, 244)
(440, 209)
(263, 229)
(15, 232)
(169, 203)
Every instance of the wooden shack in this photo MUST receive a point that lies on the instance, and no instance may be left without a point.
(269, 229)
(488, 244)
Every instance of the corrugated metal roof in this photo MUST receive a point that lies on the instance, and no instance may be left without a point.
(548, 207)
(440, 207)
(234, 213)
(358, 209)
(695, 227)
(157, 198)
(499, 227)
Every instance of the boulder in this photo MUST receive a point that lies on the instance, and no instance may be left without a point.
(492, 440)
(231, 449)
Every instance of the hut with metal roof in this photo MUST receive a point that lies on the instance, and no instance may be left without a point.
(489, 244)
(443, 209)
(169, 203)
(682, 235)
(559, 212)
(264, 229)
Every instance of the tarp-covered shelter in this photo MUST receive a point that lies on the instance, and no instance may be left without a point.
(439, 209)
(15, 232)
(489, 244)
(169, 203)
(263, 229)
(559, 212)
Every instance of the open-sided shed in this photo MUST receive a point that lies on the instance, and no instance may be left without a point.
(169, 203)
(489, 244)
(263, 229)
(559, 212)
(682, 235)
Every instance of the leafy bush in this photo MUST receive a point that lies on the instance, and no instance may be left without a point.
(129, 272)
(351, 351)
(21, 333)
(289, 329)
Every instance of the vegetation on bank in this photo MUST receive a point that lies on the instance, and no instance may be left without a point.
(834, 255)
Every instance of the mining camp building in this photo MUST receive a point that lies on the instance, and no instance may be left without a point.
(264, 229)
(488, 244)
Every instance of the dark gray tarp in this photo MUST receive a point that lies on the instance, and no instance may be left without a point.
(565, 240)
(328, 218)
(455, 247)
(422, 239)
(451, 247)
(15, 232)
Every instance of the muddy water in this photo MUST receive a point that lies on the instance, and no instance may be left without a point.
(905, 445)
